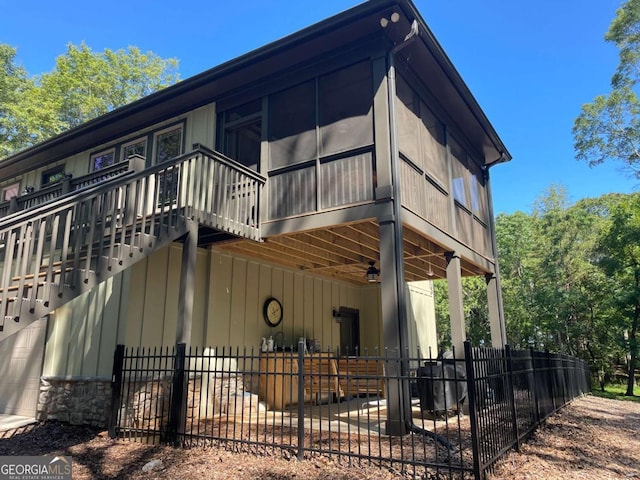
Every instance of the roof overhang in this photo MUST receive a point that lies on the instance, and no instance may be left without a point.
(350, 26)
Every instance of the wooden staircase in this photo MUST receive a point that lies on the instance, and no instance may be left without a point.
(51, 253)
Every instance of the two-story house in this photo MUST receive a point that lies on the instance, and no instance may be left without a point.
(335, 170)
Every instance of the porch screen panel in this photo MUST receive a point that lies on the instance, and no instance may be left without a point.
(460, 174)
(479, 201)
(347, 180)
(437, 207)
(433, 146)
(481, 238)
(292, 193)
(408, 122)
(345, 109)
(292, 126)
(412, 186)
(464, 224)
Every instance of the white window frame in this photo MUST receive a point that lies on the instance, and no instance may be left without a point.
(12, 186)
(124, 146)
(157, 134)
(112, 151)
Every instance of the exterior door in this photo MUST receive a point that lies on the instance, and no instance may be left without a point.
(21, 358)
(349, 331)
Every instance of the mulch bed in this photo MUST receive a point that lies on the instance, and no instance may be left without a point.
(591, 438)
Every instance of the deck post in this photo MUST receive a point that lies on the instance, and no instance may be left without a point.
(495, 318)
(456, 308)
(187, 285)
(394, 332)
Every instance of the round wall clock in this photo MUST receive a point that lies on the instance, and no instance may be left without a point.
(272, 312)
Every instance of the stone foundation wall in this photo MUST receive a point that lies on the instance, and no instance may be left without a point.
(76, 400)
(87, 400)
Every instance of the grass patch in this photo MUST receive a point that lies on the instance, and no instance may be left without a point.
(617, 392)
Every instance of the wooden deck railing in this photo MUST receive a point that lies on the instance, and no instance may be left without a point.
(53, 252)
(66, 185)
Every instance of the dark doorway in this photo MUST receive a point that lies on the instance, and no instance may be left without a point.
(349, 319)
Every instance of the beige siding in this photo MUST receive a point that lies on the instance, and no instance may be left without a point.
(422, 319)
(201, 127)
(153, 296)
(239, 287)
(20, 369)
(82, 334)
(140, 306)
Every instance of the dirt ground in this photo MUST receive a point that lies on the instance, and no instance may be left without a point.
(592, 438)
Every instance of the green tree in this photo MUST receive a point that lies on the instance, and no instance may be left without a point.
(476, 313)
(83, 85)
(14, 84)
(516, 240)
(619, 247)
(608, 128)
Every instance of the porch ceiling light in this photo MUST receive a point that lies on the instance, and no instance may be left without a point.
(372, 272)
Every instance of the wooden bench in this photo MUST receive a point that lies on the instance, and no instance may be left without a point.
(321, 378)
(361, 376)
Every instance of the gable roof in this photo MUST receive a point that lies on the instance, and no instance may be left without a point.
(347, 27)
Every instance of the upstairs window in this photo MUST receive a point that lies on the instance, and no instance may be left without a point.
(103, 159)
(10, 191)
(53, 176)
(242, 133)
(168, 144)
(136, 147)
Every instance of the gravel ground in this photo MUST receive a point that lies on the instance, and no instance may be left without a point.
(592, 438)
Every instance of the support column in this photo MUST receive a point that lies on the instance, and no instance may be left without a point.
(498, 335)
(394, 329)
(494, 290)
(187, 285)
(456, 309)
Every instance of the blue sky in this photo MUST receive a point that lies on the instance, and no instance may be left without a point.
(530, 65)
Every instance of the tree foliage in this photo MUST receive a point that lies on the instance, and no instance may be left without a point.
(619, 250)
(570, 278)
(83, 85)
(608, 128)
(14, 85)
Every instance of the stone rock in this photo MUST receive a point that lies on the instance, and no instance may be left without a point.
(155, 464)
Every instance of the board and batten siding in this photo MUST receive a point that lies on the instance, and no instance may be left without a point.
(423, 337)
(82, 334)
(229, 297)
(239, 286)
(139, 307)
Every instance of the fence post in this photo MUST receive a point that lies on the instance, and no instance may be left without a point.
(514, 411)
(116, 389)
(550, 381)
(301, 347)
(478, 472)
(178, 397)
(534, 387)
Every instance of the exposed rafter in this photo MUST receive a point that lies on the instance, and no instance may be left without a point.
(344, 252)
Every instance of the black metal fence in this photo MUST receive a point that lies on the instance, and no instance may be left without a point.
(416, 415)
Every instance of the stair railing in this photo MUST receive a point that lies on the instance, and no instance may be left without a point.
(53, 252)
